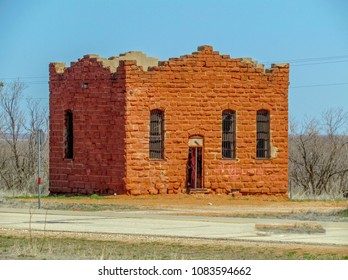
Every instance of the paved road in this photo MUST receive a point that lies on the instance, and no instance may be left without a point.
(164, 223)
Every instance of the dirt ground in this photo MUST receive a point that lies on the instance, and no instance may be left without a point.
(201, 204)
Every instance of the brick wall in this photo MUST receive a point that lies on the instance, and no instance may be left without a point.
(113, 120)
(193, 91)
(98, 165)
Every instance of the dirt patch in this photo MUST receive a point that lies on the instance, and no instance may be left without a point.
(183, 204)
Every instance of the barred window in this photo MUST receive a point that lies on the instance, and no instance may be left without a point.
(263, 134)
(68, 135)
(156, 134)
(229, 134)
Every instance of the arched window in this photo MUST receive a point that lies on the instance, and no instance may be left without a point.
(156, 134)
(229, 134)
(68, 135)
(263, 134)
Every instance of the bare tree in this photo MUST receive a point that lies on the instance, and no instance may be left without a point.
(318, 153)
(17, 137)
(37, 120)
(11, 132)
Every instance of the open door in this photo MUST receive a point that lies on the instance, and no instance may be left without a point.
(195, 166)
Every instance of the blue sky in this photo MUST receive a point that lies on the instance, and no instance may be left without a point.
(312, 35)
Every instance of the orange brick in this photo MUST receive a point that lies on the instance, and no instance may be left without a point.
(112, 120)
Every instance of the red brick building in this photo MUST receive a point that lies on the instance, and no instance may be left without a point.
(201, 122)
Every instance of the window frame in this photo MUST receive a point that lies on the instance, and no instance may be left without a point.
(156, 135)
(68, 134)
(228, 135)
(263, 134)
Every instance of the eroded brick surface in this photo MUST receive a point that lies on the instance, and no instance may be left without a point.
(112, 120)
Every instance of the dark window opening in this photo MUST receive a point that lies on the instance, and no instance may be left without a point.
(229, 134)
(156, 134)
(69, 136)
(263, 134)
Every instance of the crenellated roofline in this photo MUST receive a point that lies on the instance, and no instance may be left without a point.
(152, 64)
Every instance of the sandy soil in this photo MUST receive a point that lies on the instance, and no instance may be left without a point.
(210, 204)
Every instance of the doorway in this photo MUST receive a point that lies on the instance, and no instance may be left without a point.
(194, 169)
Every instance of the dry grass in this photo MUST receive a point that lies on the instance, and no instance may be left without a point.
(54, 245)
(298, 227)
